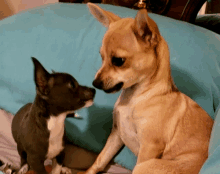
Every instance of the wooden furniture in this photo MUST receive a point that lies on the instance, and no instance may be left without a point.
(185, 10)
(213, 7)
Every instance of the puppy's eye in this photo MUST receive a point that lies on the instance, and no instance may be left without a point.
(72, 84)
(117, 61)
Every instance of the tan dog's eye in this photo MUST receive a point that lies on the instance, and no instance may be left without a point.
(117, 61)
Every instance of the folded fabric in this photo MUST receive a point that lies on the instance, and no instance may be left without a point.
(8, 148)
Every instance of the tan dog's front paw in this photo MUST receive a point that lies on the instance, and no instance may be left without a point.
(66, 170)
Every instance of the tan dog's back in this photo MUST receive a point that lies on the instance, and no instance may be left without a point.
(180, 130)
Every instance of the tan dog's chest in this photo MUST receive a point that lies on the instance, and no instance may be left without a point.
(126, 127)
(142, 121)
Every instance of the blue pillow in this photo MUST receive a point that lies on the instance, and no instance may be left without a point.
(66, 38)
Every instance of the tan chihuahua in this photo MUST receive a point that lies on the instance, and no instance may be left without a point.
(164, 128)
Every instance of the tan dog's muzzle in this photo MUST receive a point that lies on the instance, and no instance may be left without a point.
(98, 83)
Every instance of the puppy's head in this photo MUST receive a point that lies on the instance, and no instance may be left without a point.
(128, 50)
(61, 91)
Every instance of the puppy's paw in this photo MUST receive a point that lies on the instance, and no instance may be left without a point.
(8, 171)
(66, 170)
(23, 169)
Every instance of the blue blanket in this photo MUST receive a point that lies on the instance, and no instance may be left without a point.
(66, 38)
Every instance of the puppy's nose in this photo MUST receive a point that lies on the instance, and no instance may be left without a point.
(93, 90)
(87, 93)
(98, 83)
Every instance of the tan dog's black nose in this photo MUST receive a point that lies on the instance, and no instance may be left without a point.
(98, 83)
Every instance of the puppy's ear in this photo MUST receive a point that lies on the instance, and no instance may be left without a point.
(103, 16)
(41, 77)
(145, 28)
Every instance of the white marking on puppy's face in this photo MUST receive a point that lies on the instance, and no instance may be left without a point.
(88, 103)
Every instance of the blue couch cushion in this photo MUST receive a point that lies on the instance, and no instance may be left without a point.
(66, 38)
(212, 165)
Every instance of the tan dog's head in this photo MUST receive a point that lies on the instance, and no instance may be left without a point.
(127, 51)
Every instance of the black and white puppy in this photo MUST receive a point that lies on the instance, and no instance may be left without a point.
(38, 127)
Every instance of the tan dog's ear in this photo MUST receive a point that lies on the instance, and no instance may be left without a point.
(103, 16)
(145, 27)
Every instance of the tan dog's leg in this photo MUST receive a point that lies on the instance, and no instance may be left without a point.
(113, 145)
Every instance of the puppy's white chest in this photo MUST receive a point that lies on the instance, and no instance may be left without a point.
(56, 127)
(127, 128)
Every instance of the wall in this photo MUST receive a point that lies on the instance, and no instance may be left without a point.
(10, 7)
